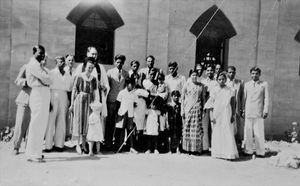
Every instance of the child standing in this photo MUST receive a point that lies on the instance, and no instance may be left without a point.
(152, 124)
(174, 120)
(163, 92)
(95, 132)
(139, 118)
(127, 101)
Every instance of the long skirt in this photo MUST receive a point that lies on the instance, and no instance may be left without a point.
(223, 143)
(81, 114)
(192, 132)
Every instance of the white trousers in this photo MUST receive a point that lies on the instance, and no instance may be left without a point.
(56, 129)
(254, 136)
(39, 102)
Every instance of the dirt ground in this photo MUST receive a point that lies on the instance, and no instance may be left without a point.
(68, 168)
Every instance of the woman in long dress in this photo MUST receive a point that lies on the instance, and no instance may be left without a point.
(84, 92)
(223, 142)
(193, 97)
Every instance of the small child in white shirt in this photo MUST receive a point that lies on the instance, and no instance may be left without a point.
(127, 101)
(95, 132)
(153, 123)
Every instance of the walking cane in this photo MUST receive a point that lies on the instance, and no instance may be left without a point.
(125, 139)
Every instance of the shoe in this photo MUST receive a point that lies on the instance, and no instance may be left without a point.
(58, 149)
(148, 152)
(84, 149)
(205, 152)
(156, 151)
(36, 160)
(48, 150)
(245, 154)
(15, 152)
(132, 150)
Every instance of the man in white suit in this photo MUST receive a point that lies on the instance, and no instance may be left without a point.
(23, 110)
(38, 79)
(256, 99)
(56, 129)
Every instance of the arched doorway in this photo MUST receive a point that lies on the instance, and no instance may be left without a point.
(95, 22)
(214, 40)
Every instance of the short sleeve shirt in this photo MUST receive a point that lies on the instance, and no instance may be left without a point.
(127, 100)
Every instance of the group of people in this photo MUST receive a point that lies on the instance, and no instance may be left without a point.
(151, 111)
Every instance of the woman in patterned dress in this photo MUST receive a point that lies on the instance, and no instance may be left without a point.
(84, 92)
(193, 97)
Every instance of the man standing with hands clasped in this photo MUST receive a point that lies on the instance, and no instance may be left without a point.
(256, 102)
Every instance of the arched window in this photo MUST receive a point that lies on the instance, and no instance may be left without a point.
(214, 40)
(95, 26)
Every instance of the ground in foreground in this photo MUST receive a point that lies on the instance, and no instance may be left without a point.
(68, 168)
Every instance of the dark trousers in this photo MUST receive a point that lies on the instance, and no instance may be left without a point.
(110, 123)
(152, 142)
(128, 126)
(175, 140)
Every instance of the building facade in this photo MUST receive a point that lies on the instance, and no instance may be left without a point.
(242, 33)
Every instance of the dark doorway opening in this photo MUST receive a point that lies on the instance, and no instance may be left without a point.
(103, 40)
(96, 22)
(214, 40)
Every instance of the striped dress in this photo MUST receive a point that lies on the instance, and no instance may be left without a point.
(84, 91)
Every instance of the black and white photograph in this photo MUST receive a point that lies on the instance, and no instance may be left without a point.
(149, 92)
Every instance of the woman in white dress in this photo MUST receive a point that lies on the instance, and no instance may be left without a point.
(223, 142)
